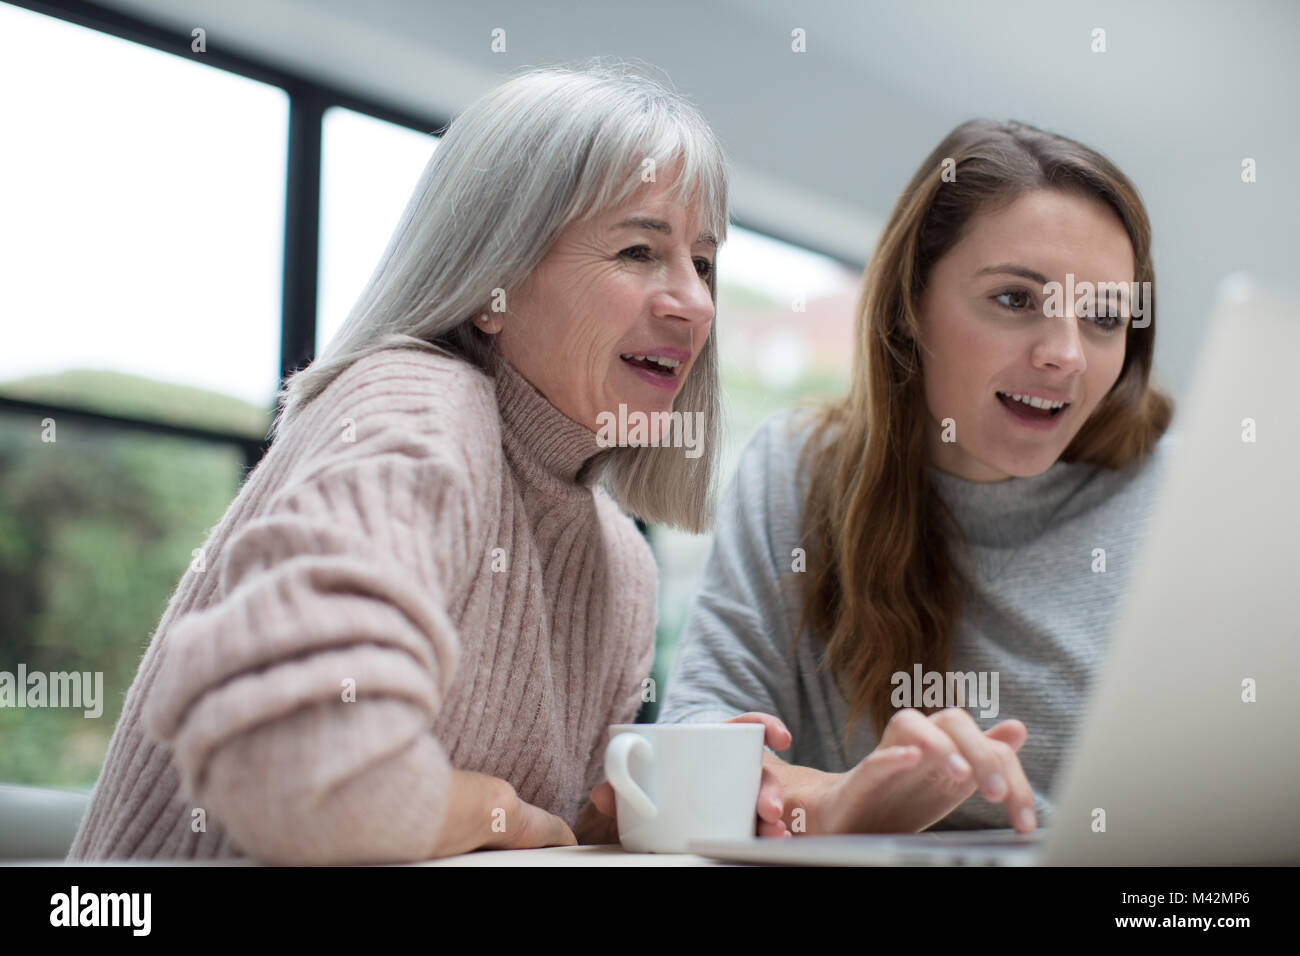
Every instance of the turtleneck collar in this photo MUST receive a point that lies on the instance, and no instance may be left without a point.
(543, 445)
(1013, 511)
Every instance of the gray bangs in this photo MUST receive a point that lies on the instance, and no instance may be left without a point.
(669, 137)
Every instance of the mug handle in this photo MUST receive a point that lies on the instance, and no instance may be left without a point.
(616, 770)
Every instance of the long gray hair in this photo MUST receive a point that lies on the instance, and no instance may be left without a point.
(544, 149)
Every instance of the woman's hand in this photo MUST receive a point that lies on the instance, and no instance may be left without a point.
(923, 769)
(598, 821)
(770, 809)
(475, 801)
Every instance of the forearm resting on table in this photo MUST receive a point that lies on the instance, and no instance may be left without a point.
(288, 800)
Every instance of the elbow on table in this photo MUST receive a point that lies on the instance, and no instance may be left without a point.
(388, 814)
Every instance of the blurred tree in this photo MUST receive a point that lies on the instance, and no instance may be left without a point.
(96, 530)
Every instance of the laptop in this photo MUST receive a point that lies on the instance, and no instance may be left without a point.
(1189, 754)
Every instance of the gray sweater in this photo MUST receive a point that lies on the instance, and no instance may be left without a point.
(1035, 610)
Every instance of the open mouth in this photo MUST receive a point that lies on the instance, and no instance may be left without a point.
(1027, 407)
(655, 364)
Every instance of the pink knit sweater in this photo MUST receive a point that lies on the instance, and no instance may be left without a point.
(414, 578)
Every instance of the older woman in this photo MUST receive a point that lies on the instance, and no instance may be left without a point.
(410, 632)
(970, 510)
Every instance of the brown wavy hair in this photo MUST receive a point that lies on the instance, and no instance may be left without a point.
(872, 518)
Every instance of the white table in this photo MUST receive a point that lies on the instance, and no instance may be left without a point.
(589, 855)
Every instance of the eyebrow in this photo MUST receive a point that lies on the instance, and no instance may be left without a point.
(658, 225)
(1009, 268)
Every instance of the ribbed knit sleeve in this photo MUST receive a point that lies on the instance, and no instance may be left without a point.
(300, 703)
(414, 579)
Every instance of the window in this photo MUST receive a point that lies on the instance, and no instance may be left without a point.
(142, 246)
(369, 168)
(785, 333)
(143, 229)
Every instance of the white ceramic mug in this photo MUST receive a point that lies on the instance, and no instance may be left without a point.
(680, 782)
